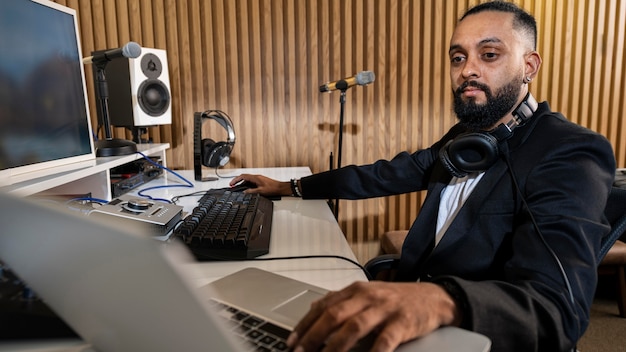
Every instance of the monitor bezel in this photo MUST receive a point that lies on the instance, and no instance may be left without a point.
(17, 174)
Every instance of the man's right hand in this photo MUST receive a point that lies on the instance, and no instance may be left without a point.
(265, 186)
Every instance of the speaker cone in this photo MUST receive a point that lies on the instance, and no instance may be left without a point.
(153, 97)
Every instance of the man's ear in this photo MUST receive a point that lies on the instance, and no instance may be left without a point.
(533, 63)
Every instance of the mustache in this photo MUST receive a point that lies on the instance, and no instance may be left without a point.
(475, 84)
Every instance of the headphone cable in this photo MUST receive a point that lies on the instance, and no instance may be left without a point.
(536, 226)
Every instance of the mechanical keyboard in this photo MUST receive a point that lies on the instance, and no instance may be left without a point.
(227, 225)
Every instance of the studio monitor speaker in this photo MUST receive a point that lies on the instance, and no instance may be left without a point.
(139, 90)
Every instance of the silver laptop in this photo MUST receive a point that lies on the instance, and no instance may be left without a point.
(121, 290)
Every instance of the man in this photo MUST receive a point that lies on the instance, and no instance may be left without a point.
(507, 249)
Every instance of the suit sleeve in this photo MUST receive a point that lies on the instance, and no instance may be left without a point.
(404, 173)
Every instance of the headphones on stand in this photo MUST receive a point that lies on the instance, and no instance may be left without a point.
(477, 151)
(206, 151)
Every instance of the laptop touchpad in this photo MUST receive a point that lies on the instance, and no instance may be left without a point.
(296, 307)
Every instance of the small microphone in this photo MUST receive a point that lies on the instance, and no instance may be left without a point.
(131, 50)
(362, 78)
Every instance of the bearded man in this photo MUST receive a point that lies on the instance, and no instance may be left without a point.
(505, 243)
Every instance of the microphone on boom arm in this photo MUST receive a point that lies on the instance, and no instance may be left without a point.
(362, 78)
(131, 50)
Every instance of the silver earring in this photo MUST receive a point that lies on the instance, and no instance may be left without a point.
(527, 79)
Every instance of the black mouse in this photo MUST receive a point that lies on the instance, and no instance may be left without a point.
(242, 186)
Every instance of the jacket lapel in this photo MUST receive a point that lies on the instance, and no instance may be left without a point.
(421, 237)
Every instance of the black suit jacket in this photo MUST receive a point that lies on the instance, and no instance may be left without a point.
(496, 257)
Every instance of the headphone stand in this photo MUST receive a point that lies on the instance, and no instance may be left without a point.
(207, 152)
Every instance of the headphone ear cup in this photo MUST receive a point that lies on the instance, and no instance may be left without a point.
(444, 156)
(218, 154)
(472, 152)
(207, 145)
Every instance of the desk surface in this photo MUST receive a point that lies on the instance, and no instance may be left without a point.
(299, 228)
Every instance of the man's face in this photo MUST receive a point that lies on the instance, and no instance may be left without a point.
(486, 68)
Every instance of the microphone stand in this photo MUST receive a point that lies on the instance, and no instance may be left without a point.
(109, 146)
(342, 104)
(342, 85)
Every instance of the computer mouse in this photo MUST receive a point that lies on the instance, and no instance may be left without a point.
(242, 186)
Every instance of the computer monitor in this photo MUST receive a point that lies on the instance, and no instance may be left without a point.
(45, 126)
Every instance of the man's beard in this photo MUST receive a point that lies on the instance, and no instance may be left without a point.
(477, 117)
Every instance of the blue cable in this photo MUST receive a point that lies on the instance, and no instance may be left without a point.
(141, 192)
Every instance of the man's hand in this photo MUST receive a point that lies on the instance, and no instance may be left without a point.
(395, 312)
(264, 185)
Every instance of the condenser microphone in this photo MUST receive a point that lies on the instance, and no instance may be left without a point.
(131, 50)
(362, 78)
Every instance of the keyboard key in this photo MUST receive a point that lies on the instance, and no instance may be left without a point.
(275, 330)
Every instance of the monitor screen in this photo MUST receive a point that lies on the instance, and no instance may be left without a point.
(44, 116)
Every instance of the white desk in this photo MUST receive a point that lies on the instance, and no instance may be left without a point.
(299, 228)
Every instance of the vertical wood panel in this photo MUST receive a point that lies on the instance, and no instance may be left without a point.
(616, 95)
(262, 61)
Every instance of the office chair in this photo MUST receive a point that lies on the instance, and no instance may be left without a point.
(611, 256)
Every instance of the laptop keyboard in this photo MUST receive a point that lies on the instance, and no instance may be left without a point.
(254, 331)
(227, 225)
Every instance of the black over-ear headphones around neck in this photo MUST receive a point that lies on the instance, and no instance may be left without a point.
(477, 151)
(208, 152)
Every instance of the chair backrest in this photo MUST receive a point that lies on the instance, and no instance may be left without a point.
(615, 212)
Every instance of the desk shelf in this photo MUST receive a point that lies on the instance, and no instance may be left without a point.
(94, 180)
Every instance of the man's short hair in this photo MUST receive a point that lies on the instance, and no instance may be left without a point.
(522, 20)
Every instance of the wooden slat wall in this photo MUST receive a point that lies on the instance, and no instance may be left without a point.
(262, 61)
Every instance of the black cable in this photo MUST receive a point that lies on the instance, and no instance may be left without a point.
(175, 199)
(220, 176)
(358, 265)
(543, 239)
(314, 256)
